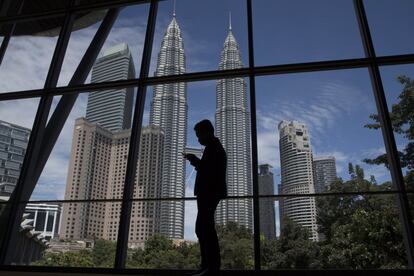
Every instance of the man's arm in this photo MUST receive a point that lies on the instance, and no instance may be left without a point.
(194, 160)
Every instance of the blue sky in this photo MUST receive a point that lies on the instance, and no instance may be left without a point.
(335, 105)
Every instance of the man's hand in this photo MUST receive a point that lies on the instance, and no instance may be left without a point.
(192, 158)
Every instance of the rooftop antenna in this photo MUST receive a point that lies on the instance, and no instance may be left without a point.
(174, 9)
(230, 21)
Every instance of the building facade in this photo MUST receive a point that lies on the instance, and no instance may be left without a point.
(46, 218)
(297, 175)
(267, 205)
(112, 109)
(97, 171)
(324, 170)
(169, 111)
(13, 144)
(145, 215)
(233, 130)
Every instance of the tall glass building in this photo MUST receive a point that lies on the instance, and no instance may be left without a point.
(267, 205)
(112, 109)
(324, 170)
(297, 175)
(169, 111)
(13, 144)
(233, 130)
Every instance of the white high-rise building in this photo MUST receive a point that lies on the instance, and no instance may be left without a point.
(324, 169)
(233, 130)
(297, 175)
(112, 109)
(46, 218)
(169, 111)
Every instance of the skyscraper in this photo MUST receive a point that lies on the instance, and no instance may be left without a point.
(112, 109)
(13, 144)
(324, 169)
(145, 214)
(97, 171)
(169, 111)
(297, 175)
(266, 205)
(233, 130)
(88, 177)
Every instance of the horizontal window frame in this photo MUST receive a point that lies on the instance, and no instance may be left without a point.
(276, 196)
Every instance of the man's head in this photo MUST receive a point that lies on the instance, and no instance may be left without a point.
(204, 131)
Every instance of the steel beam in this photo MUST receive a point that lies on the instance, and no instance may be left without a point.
(135, 140)
(252, 84)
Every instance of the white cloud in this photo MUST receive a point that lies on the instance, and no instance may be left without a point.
(19, 112)
(320, 113)
(268, 148)
(26, 63)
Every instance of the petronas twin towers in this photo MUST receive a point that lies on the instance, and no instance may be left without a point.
(169, 111)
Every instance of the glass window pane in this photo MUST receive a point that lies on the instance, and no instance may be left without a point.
(155, 251)
(353, 232)
(390, 22)
(120, 56)
(28, 55)
(77, 240)
(16, 121)
(312, 130)
(398, 84)
(288, 31)
(89, 158)
(192, 41)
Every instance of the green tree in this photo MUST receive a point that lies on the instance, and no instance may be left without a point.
(402, 121)
(82, 258)
(160, 252)
(351, 170)
(359, 172)
(236, 246)
(361, 231)
(295, 247)
(103, 253)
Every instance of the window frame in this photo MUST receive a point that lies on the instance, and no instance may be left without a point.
(370, 62)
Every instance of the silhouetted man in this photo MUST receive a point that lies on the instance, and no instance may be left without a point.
(210, 187)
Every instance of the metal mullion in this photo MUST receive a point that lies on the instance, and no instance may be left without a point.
(387, 133)
(395, 59)
(253, 135)
(213, 75)
(16, 209)
(125, 217)
(392, 192)
(187, 77)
